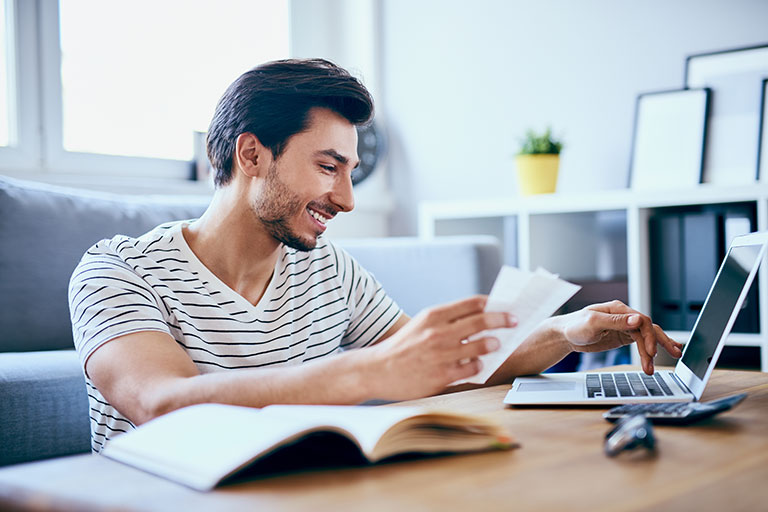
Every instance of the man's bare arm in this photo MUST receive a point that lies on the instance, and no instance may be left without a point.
(595, 328)
(399, 324)
(147, 374)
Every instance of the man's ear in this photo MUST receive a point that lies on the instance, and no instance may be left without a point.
(251, 158)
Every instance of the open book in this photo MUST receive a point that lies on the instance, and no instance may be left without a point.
(202, 445)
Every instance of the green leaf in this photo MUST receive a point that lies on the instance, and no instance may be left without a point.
(540, 144)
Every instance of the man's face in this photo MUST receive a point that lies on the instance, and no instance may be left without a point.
(311, 181)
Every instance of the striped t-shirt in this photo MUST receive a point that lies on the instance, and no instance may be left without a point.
(317, 303)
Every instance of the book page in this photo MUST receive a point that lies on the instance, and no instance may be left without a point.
(366, 423)
(200, 445)
(532, 297)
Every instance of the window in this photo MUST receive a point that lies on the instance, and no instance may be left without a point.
(115, 88)
(138, 78)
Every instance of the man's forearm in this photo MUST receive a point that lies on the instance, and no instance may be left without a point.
(146, 374)
(342, 379)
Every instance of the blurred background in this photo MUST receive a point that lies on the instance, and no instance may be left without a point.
(108, 94)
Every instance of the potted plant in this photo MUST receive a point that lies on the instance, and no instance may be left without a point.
(538, 162)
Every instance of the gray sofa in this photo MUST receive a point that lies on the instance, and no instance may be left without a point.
(44, 230)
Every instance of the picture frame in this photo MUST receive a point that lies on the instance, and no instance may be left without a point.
(762, 147)
(669, 139)
(734, 77)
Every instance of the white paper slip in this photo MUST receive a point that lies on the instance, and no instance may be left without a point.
(532, 297)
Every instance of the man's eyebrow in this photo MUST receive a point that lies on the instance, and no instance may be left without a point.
(335, 155)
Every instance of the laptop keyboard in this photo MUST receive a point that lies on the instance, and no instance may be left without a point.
(626, 384)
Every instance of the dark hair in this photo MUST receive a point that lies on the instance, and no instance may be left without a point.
(273, 100)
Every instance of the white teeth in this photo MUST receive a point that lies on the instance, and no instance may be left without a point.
(318, 217)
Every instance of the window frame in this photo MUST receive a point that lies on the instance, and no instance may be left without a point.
(24, 107)
(56, 158)
(38, 149)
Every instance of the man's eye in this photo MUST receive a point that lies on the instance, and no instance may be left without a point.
(328, 168)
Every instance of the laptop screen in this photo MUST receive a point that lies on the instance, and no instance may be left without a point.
(718, 308)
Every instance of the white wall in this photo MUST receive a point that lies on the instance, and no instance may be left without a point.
(347, 32)
(462, 80)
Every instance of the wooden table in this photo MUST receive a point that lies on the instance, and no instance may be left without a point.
(719, 464)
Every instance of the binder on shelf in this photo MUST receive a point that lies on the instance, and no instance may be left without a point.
(735, 224)
(686, 248)
(701, 259)
(666, 271)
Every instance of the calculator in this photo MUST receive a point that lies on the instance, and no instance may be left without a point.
(675, 413)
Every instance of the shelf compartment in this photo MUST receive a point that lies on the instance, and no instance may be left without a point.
(737, 339)
(580, 246)
(504, 228)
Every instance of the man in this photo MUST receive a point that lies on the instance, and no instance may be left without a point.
(249, 305)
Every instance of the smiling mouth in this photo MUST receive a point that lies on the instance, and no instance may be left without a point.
(319, 217)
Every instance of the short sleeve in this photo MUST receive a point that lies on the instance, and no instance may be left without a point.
(107, 299)
(372, 311)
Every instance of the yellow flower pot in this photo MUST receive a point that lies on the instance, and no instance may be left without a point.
(537, 174)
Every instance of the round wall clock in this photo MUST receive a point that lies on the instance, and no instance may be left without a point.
(370, 148)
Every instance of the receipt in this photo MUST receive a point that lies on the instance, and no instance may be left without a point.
(532, 297)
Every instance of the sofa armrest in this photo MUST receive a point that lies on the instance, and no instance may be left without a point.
(43, 406)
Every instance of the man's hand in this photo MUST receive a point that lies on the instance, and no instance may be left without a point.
(611, 325)
(432, 350)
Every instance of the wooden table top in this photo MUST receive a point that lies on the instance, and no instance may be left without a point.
(720, 463)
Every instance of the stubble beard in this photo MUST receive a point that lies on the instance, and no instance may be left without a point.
(276, 207)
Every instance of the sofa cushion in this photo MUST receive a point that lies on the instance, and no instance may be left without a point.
(419, 273)
(44, 231)
(43, 406)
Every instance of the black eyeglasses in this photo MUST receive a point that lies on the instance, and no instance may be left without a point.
(630, 433)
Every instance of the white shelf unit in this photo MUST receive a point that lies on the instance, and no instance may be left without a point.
(602, 235)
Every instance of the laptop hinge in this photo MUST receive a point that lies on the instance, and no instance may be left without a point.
(681, 383)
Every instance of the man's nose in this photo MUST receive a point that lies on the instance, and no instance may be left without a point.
(342, 195)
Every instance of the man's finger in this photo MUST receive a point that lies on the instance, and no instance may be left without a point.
(646, 336)
(474, 349)
(634, 321)
(674, 348)
(465, 369)
(645, 360)
(614, 306)
(456, 310)
(623, 314)
(649, 335)
(470, 325)
(617, 321)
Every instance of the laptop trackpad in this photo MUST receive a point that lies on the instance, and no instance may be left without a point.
(547, 386)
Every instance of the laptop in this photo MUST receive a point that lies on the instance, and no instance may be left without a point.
(684, 384)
